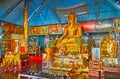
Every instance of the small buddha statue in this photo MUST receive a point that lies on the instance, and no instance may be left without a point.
(71, 32)
(111, 46)
(103, 44)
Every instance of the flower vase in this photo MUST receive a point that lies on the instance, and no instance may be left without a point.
(73, 56)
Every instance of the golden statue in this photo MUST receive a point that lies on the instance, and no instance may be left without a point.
(68, 43)
(103, 44)
(10, 61)
(71, 32)
(107, 47)
(111, 46)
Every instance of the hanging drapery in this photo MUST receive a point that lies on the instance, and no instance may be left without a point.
(80, 9)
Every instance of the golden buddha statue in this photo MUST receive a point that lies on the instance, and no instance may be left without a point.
(71, 32)
(107, 47)
(103, 44)
(111, 46)
(68, 43)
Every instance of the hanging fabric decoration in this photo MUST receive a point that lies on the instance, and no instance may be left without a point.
(80, 9)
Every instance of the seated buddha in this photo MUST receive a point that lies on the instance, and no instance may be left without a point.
(71, 32)
(103, 44)
(111, 46)
(107, 47)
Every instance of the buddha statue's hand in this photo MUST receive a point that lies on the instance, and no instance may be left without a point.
(69, 37)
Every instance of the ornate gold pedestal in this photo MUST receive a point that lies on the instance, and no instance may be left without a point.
(49, 52)
(79, 64)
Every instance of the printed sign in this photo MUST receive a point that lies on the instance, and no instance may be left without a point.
(96, 53)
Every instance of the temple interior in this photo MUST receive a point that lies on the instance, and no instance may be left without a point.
(59, 39)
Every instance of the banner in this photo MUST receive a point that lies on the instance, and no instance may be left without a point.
(53, 29)
(106, 25)
(38, 30)
(88, 26)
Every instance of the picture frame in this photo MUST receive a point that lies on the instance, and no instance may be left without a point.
(96, 53)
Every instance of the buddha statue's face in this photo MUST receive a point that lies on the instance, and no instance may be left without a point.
(71, 18)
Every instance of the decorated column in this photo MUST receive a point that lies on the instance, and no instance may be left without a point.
(26, 29)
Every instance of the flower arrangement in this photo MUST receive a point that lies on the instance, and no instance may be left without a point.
(72, 53)
(51, 42)
(79, 41)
